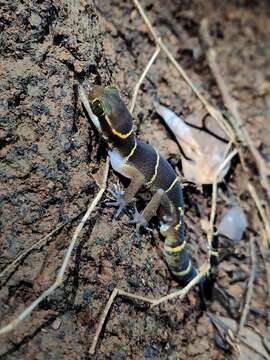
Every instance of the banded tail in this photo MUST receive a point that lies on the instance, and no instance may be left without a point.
(180, 263)
(178, 259)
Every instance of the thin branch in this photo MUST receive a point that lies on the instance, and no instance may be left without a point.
(249, 288)
(233, 107)
(143, 75)
(261, 211)
(60, 277)
(154, 302)
(37, 244)
(214, 196)
(116, 292)
(216, 114)
(266, 255)
(25, 252)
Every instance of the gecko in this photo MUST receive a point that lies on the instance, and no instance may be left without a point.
(146, 169)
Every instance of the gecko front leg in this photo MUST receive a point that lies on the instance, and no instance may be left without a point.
(125, 198)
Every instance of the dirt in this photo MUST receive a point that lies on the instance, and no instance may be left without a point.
(49, 152)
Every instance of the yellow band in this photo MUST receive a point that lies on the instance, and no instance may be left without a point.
(156, 169)
(181, 210)
(172, 184)
(132, 151)
(184, 272)
(115, 132)
(173, 250)
(177, 227)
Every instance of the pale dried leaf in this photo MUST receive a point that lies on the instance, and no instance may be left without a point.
(256, 350)
(204, 152)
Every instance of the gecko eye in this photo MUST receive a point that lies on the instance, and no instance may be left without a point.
(97, 107)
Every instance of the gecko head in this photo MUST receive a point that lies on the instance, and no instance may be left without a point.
(109, 113)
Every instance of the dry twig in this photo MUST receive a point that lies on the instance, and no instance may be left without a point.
(214, 196)
(60, 277)
(154, 302)
(37, 244)
(40, 242)
(216, 114)
(260, 208)
(233, 107)
(137, 86)
(249, 288)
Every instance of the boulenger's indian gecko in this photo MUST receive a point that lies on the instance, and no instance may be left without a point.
(146, 168)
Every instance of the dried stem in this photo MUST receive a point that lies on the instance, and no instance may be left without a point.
(154, 302)
(116, 292)
(265, 253)
(233, 107)
(37, 244)
(261, 211)
(25, 252)
(137, 86)
(249, 288)
(216, 114)
(214, 196)
(60, 277)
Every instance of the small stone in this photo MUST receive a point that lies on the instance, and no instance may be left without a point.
(35, 20)
(233, 224)
(34, 147)
(77, 66)
(151, 351)
(86, 295)
(61, 165)
(56, 324)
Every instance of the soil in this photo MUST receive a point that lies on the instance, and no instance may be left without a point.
(49, 153)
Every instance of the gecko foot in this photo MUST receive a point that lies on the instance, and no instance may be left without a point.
(140, 221)
(119, 201)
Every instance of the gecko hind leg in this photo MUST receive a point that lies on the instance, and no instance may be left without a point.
(142, 219)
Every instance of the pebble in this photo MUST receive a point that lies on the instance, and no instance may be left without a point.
(35, 20)
(56, 324)
(233, 224)
(151, 351)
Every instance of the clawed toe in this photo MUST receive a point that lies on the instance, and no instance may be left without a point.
(120, 202)
(139, 220)
(115, 192)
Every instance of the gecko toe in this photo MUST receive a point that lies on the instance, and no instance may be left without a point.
(119, 201)
(139, 220)
(115, 192)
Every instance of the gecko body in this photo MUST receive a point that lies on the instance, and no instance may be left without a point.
(146, 168)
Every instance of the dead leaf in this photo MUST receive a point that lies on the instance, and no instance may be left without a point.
(203, 151)
(251, 343)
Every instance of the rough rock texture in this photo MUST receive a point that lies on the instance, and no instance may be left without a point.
(49, 152)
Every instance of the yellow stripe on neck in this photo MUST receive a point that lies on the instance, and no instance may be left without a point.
(115, 132)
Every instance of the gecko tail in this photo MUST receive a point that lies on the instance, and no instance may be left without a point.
(181, 266)
(178, 260)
